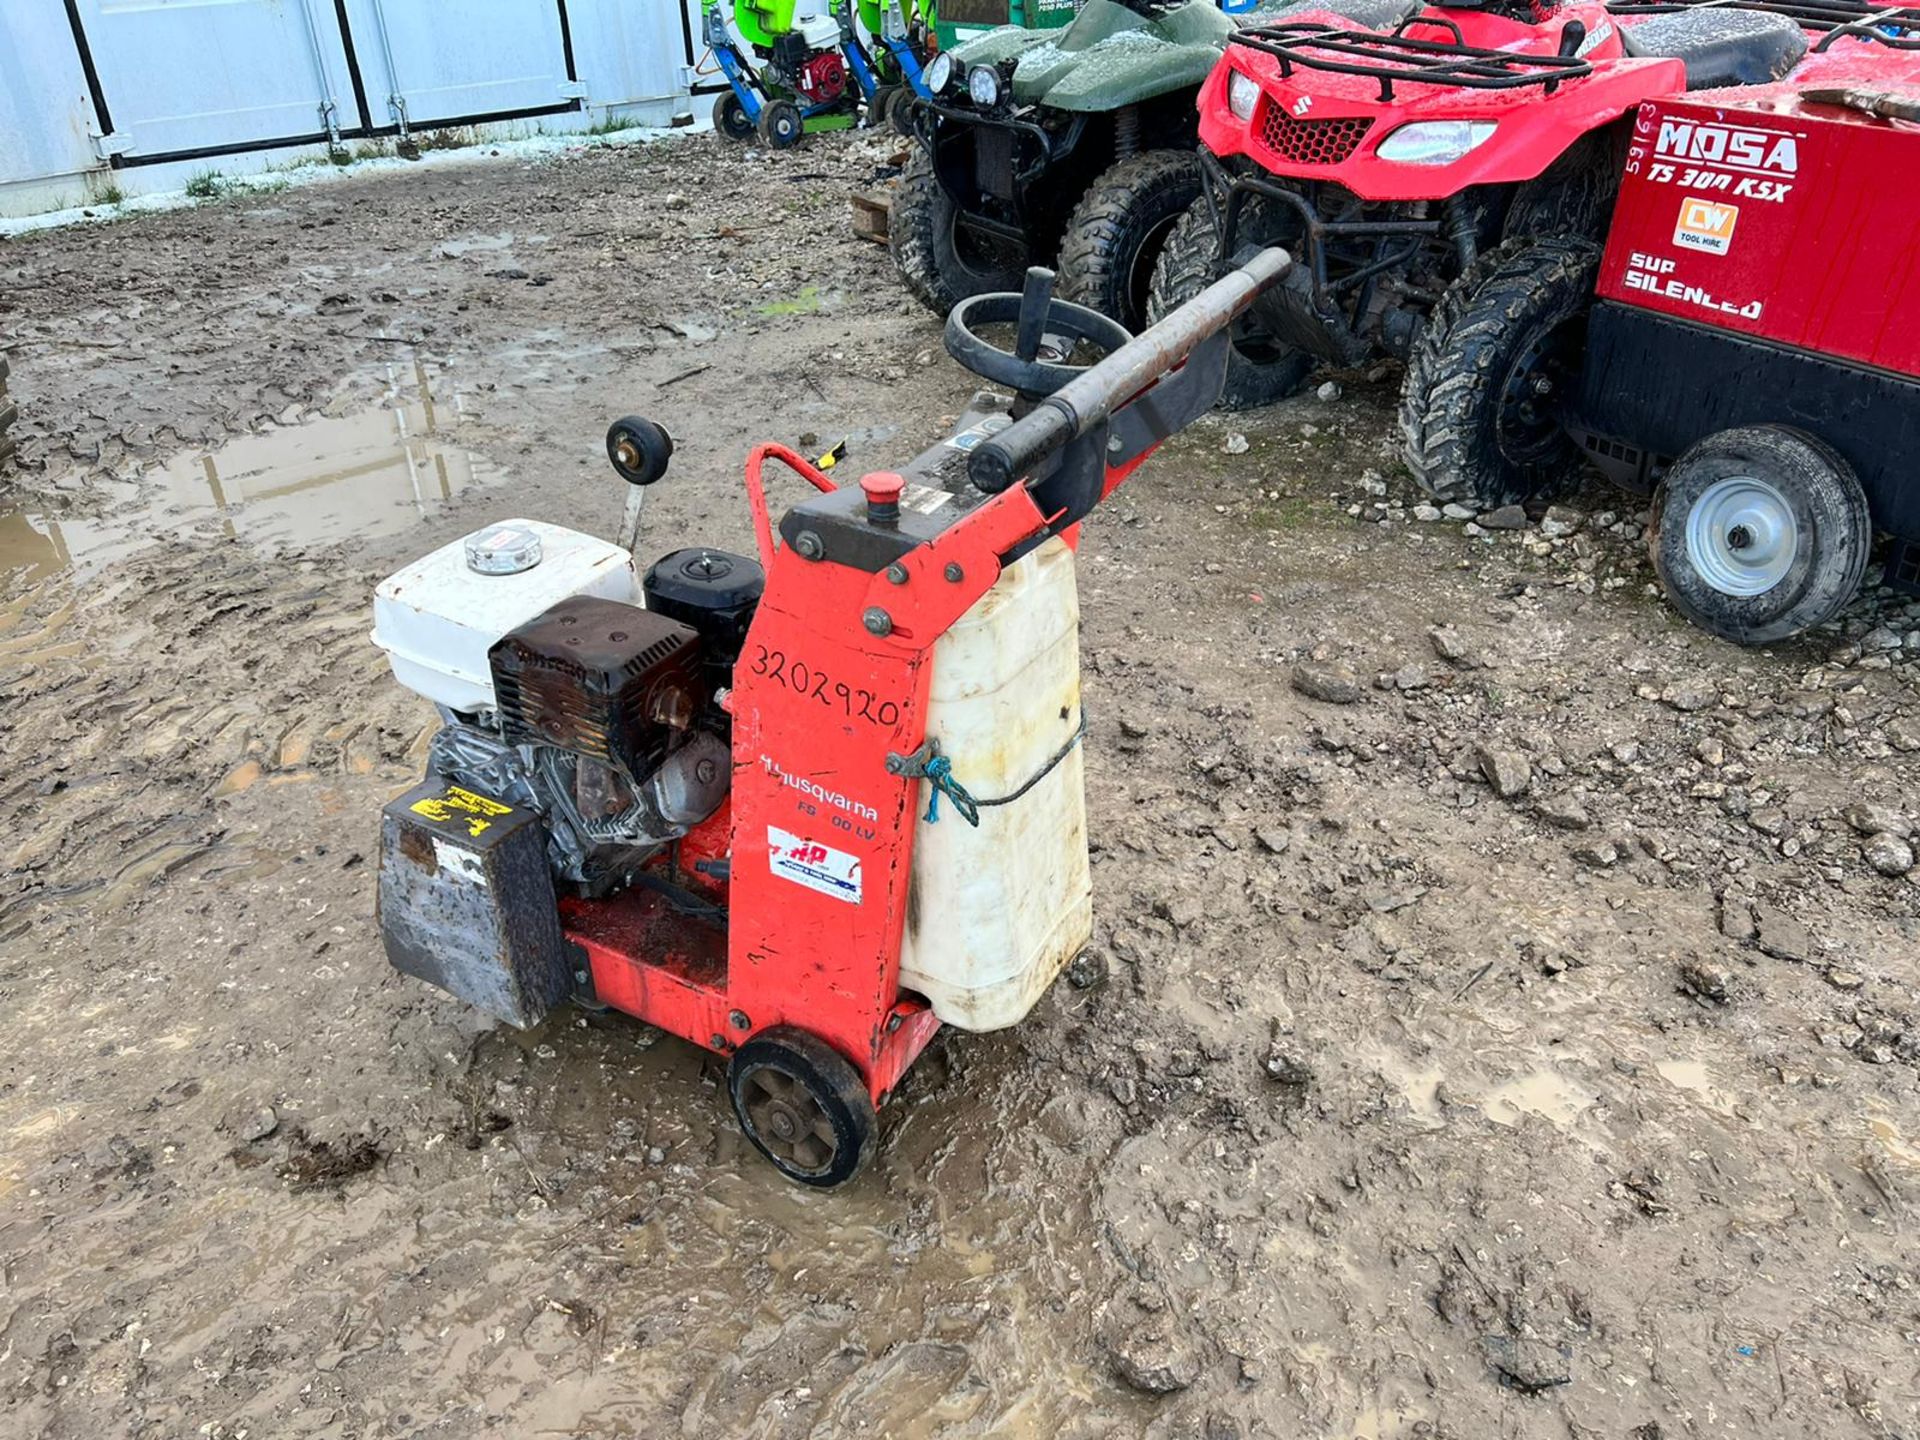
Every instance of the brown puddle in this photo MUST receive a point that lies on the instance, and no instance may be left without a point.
(1546, 1093)
(369, 474)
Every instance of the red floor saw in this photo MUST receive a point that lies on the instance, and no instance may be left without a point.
(800, 809)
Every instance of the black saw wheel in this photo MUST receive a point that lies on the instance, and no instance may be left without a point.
(803, 1106)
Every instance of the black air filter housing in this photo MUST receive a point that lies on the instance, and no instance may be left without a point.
(600, 678)
(790, 52)
(714, 592)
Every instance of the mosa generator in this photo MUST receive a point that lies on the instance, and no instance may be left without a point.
(1751, 356)
(801, 808)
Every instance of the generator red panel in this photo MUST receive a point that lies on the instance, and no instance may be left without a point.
(1787, 222)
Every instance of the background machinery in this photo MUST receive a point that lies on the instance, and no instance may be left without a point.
(797, 65)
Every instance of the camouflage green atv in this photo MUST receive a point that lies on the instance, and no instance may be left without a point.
(1070, 147)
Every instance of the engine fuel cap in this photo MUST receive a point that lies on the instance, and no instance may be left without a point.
(503, 549)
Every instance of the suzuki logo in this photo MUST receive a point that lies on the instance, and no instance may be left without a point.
(1302, 105)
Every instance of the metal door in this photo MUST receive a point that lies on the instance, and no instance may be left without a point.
(424, 62)
(180, 78)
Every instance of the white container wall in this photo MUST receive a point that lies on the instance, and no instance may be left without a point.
(99, 97)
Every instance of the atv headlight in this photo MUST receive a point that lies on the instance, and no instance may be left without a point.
(939, 73)
(1435, 142)
(1243, 93)
(983, 86)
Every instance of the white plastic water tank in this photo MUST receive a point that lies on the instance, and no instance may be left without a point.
(995, 913)
(437, 618)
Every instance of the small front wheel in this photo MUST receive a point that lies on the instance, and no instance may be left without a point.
(781, 124)
(639, 449)
(803, 1105)
(730, 118)
(900, 113)
(1759, 533)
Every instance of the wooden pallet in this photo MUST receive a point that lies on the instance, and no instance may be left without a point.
(870, 213)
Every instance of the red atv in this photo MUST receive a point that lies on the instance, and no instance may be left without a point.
(1758, 317)
(1406, 169)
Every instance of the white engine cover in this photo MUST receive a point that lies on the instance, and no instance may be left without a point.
(821, 32)
(438, 618)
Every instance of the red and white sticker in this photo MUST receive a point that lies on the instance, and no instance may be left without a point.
(816, 866)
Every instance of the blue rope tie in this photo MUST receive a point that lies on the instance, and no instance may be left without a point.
(940, 780)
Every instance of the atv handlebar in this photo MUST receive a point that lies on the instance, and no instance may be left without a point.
(1086, 401)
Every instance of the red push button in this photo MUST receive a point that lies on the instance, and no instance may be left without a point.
(883, 489)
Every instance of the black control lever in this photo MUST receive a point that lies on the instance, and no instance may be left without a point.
(1043, 329)
(1036, 298)
(1091, 394)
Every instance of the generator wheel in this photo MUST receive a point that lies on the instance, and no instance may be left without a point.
(880, 108)
(941, 260)
(730, 119)
(9, 412)
(1117, 231)
(803, 1106)
(1480, 406)
(781, 125)
(1759, 533)
(1260, 368)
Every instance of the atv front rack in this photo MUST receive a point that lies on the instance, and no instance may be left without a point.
(1399, 58)
(1896, 27)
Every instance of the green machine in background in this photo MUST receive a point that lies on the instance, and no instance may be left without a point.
(795, 66)
(1071, 148)
(961, 20)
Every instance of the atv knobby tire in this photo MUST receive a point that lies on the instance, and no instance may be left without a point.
(1260, 369)
(1759, 533)
(9, 412)
(1575, 196)
(940, 262)
(1479, 409)
(1117, 231)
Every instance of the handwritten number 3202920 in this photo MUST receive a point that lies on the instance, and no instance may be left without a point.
(804, 679)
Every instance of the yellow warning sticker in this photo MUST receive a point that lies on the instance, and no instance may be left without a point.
(454, 803)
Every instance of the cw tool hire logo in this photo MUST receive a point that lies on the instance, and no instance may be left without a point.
(1705, 225)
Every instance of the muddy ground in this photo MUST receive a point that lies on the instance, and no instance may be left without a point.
(1392, 1105)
